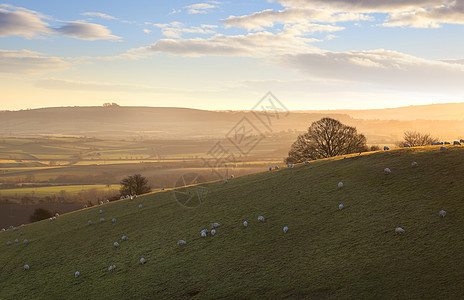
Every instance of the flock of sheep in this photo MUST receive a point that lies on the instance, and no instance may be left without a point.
(214, 226)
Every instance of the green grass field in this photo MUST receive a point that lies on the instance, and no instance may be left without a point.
(52, 190)
(327, 253)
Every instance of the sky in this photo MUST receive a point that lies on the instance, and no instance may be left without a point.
(311, 54)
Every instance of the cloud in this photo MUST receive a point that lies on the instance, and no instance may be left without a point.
(146, 30)
(99, 15)
(29, 62)
(177, 29)
(18, 21)
(269, 17)
(428, 17)
(200, 8)
(362, 5)
(380, 67)
(259, 44)
(22, 22)
(86, 31)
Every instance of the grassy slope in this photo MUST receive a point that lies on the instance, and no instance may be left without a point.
(352, 253)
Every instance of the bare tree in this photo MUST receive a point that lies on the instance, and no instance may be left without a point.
(136, 184)
(326, 137)
(415, 139)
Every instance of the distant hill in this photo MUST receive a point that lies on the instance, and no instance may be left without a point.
(352, 253)
(380, 126)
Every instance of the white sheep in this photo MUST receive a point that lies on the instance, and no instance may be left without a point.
(77, 274)
(143, 260)
(226, 181)
(85, 206)
(232, 176)
(3, 229)
(100, 211)
(245, 223)
(406, 146)
(414, 164)
(25, 241)
(54, 218)
(261, 218)
(8, 243)
(285, 229)
(101, 202)
(116, 244)
(215, 225)
(16, 240)
(49, 220)
(112, 268)
(387, 171)
(107, 201)
(340, 206)
(124, 238)
(399, 230)
(102, 219)
(386, 148)
(204, 232)
(26, 267)
(57, 215)
(213, 231)
(140, 205)
(114, 220)
(442, 213)
(181, 242)
(340, 185)
(90, 222)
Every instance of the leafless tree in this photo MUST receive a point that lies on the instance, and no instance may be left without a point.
(136, 184)
(415, 139)
(326, 137)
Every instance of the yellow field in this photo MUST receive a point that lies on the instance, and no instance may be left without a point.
(52, 190)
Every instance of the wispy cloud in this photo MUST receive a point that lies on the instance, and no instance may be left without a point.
(30, 62)
(99, 15)
(86, 31)
(177, 29)
(200, 8)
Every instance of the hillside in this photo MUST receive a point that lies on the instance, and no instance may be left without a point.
(327, 253)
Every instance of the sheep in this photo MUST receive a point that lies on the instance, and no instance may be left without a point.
(447, 143)
(276, 167)
(143, 260)
(14, 228)
(107, 201)
(285, 229)
(387, 171)
(204, 232)
(399, 230)
(213, 231)
(3, 229)
(101, 202)
(100, 211)
(8, 243)
(414, 164)
(140, 205)
(385, 148)
(456, 143)
(461, 140)
(85, 206)
(112, 268)
(162, 189)
(90, 222)
(340, 185)
(226, 181)
(270, 168)
(215, 225)
(232, 176)
(290, 165)
(77, 274)
(127, 196)
(340, 206)
(21, 233)
(102, 219)
(57, 215)
(245, 223)
(26, 267)
(181, 242)
(261, 218)
(124, 238)
(25, 241)
(114, 220)
(443, 148)
(16, 240)
(122, 197)
(406, 146)
(54, 218)
(116, 244)
(50, 219)
(307, 162)
(442, 213)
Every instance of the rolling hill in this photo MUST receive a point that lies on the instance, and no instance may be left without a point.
(352, 253)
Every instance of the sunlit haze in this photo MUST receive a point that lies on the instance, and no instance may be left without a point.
(312, 54)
